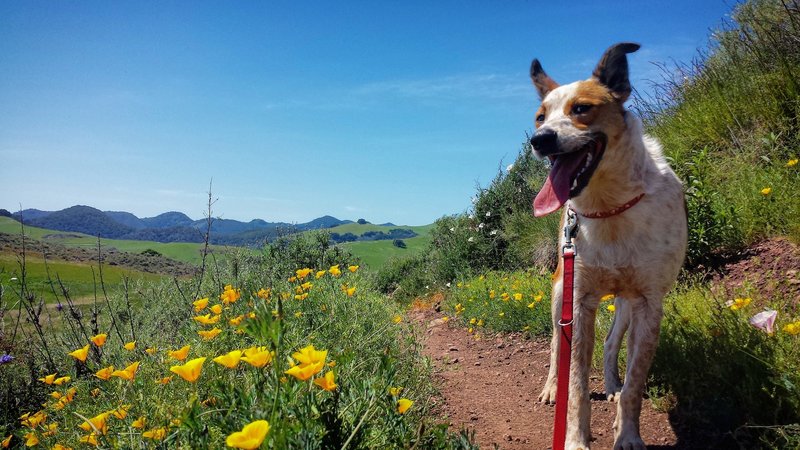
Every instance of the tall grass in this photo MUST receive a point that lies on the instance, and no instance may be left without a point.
(295, 294)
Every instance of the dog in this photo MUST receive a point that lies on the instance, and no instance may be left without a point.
(631, 239)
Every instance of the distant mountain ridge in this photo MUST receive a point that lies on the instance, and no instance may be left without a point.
(170, 226)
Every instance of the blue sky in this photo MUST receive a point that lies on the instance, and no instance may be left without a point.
(390, 111)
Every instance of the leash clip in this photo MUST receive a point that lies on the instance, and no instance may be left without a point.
(570, 230)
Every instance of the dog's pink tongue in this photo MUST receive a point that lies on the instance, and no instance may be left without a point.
(555, 191)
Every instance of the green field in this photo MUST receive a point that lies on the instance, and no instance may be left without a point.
(358, 229)
(181, 251)
(374, 254)
(78, 277)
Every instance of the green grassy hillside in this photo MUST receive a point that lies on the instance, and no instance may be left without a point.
(80, 278)
(180, 251)
(376, 253)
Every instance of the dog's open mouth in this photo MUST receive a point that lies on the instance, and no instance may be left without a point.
(569, 175)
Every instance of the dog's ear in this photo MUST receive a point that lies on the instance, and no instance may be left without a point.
(612, 70)
(541, 80)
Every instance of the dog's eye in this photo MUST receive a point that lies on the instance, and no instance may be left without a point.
(581, 109)
(540, 118)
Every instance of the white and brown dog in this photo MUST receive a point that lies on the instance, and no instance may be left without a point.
(631, 238)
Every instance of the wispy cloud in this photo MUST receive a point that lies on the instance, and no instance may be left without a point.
(451, 87)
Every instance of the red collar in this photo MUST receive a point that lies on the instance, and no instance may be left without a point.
(611, 212)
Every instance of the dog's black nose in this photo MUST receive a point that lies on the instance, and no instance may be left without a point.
(545, 142)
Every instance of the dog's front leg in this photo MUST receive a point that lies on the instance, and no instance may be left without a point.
(579, 412)
(548, 394)
(611, 349)
(645, 325)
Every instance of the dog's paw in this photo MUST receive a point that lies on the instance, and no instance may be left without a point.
(630, 441)
(548, 394)
(613, 390)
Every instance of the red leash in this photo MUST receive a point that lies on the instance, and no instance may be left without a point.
(565, 352)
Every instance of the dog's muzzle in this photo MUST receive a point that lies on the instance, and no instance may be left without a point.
(545, 142)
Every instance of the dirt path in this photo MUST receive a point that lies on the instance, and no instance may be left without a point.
(491, 385)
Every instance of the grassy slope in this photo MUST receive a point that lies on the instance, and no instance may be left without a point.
(376, 253)
(79, 277)
(180, 251)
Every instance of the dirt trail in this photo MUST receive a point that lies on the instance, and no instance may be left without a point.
(491, 385)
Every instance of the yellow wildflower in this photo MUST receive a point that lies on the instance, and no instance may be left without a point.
(210, 334)
(207, 319)
(216, 309)
(264, 294)
(607, 297)
(155, 434)
(517, 296)
(121, 412)
(31, 439)
(81, 353)
(61, 380)
(492, 294)
(130, 346)
(90, 439)
(611, 308)
(321, 274)
(792, 328)
(766, 191)
(191, 370)
(100, 339)
(56, 395)
(52, 429)
(151, 350)
(7, 441)
(739, 303)
(302, 296)
(127, 373)
(258, 356)
(251, 436)
(403, 404)
(164, 381)
(97, 424)
(352, 268)
(335, 271)
(351, 291)
(230, 359)
(48, 379)
(397, 319)
(179, 354)
(230, 295)
(327, 382)
(302, 273)
(200, 304)
(104, 374)
(395, 391)
(95, 392)
(139, 423)
(792, 162)
(236, 320)
(311, 362)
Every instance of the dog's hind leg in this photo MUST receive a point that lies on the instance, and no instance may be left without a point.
(548, 394)
(645, 325)
(611, 347)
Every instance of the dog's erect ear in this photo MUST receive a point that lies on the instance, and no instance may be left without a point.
(541, 80)
(612, 70)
